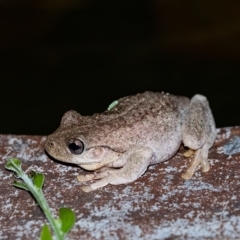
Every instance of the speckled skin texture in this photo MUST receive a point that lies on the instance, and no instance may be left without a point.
(138, 131)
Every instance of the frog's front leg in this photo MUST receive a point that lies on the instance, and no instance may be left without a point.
(199, 133)
(136, 162)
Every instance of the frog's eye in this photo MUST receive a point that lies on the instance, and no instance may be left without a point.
(75, 146)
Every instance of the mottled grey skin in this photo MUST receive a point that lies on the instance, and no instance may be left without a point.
(138, 131)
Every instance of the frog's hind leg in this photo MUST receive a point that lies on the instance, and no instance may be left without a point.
(199, 133)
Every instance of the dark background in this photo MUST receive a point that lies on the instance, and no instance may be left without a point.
(82, 55)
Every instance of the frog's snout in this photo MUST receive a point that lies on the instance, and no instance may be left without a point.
(49, 145)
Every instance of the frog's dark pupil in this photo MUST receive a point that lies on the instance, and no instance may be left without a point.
(75, 146)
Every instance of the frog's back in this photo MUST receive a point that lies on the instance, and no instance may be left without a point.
(142, 104)
(148, 118)
(148, 103)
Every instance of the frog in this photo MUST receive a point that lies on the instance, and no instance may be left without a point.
(118, 145)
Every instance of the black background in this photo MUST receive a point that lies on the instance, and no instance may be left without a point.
(82, 55)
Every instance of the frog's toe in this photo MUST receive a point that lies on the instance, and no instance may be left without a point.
(85, 178)
(189, 153)
(105, 173)
(187, 175)
(205, 165)
(86, 189)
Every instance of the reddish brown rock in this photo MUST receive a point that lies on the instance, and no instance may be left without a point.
(160, 205)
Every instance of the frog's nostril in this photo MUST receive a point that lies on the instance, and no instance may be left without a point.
(51, 144)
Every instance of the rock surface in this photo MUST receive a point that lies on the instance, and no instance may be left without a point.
(160, 205)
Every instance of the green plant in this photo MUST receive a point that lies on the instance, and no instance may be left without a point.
(33, 183)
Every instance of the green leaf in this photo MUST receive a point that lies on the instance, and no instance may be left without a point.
(68, 218)
(33, 182)
(38, 180)
(45, 233)
(112, 105)
(14, 164)
(20, 185)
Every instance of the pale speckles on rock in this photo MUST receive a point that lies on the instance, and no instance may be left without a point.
(160, 205)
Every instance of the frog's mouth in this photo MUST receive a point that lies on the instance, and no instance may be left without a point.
(97, 156)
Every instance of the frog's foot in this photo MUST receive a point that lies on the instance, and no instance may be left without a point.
(119, 177)
(200, 158)
(189, 153)
(96, 175)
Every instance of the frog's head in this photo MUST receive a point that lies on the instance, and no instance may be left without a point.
(68, 144)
